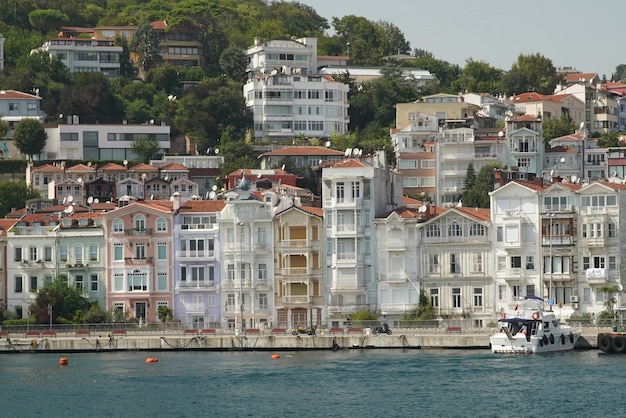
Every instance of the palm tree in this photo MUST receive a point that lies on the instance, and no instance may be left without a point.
(611, 299)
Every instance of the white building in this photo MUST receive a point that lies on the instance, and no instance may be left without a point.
(287, 96)
(85, 54)
(77, 141)
(287, 105)
(247, 264)
(354, 192)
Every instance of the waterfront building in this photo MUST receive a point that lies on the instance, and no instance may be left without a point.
(354, 191)
(140, 258)
(299, 272)
(299, 158)
(454, 265)
(517, 246)
(601, 247)
(247, 261)
(80, 259)
(31, 259)
(197, 264)
(5, 225)
(397, 280)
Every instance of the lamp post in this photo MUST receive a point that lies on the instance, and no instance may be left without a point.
(50, 315)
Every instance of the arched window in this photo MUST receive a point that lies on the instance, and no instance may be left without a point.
(433, 231)
(477, 230)
(118, 226)
(455, 230)
(161, 225)
(140, 223)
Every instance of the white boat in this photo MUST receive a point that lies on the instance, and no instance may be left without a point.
(525, 328)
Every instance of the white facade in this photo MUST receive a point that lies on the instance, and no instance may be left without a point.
(289, 105)
(85, 54)
(299, 55)
(247, 265)
(100, 142)
(354, 192)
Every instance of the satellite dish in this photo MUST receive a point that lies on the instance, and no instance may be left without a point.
(582, 125)
(274, 72)
(171, 198)
(283, 167)
(89, 164)
(562, 160)
(422, 209)
(212, 195)
(501, 134)
(258, 176)
(217, 151)
(348, 152)
(125, 163)
(166, 178)
(327, 144)
(90, 200)
(143, 176)
(355, 152)
(80, 179)
(70, 209)
(151, 121)
(70, 199)
(96, 200)
(320, 162)
(551, 173)
(151, 197)
(573, 178)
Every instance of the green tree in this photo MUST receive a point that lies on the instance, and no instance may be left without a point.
(470, 177)
(165, 314)
(556, 128)
(145, 43)
(233, 63)
(92, 98)
(47, 20)
(30, 137)
(530, 73)
(145, 147)
(4, 128)
(610, 300)
(14, 194)
(97, 315)
(610, 139)
(423, 311)
(65, 301)
(362, 39)
(478, 196)
(206, 110)
(477, 76)
(236, 151)
(364, 315)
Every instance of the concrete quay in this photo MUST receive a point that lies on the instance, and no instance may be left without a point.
(262, 341)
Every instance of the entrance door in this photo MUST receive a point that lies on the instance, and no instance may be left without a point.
(140, 310)
(198, 321)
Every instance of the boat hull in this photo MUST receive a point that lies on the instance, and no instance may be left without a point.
(502, 344)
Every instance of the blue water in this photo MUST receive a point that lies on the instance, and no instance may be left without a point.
(347, 383)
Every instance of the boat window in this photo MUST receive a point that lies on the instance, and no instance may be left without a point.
(555, 323)
(546, 326)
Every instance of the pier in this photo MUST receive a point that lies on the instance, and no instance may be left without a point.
(122, 340)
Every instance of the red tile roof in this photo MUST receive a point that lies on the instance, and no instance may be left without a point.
(175, 166)
(112, 167)
(17, 95)
(478, 213)
(5, 225)
(209, 206)
(47, 167)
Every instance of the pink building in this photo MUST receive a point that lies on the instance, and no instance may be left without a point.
(139, 258)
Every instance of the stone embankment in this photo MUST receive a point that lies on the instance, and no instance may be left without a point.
(85, 341)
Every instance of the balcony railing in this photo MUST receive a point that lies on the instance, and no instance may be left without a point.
(138, 232)
(296, 299)
(196, 284)
(599, 275)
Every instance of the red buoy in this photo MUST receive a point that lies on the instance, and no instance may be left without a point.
(275, 356)
(63, 361)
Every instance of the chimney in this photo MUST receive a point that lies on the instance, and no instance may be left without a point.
(176, 201)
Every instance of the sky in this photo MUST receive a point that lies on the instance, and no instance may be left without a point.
(572, 33)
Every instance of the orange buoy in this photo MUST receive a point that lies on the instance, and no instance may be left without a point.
(63, 361)
(275, 356)
(150, 360)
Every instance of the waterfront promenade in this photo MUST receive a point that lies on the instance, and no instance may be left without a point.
(269, 340)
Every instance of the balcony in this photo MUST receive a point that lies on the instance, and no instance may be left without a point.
(396, 308)
(145, 261)
(593, 242)
(559, 209)
(596, 210)
(394, 277)
(597, 275)
(513, 273)
(138, 232)
(194, 307)
(301, 272)
(547, 240)
(201, 254)
(296, 300)
(347, 309)
(396, 245)
(196, 284)
(77, 266)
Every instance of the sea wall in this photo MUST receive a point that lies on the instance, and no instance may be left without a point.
(154, 342)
